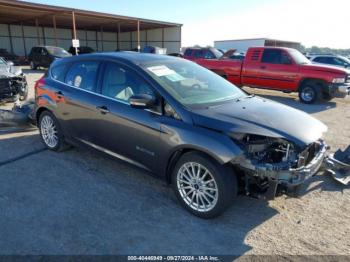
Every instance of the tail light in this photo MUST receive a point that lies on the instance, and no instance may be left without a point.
(39, 85)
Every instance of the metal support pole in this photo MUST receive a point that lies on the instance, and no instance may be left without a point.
(118, 41)
(24, 41)
(130, 41)
(37, 30)
(10, 37)
(102, 38)
(96, 39)
(44, 37)
(74, 31)
(54, 29)
(146, 37)
(138, 36)
(163, 37)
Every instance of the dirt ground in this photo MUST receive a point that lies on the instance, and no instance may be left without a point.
(316, 223)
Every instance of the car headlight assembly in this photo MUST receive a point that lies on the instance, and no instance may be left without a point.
(338, 80)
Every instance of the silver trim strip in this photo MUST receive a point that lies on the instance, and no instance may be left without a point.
(102, 149)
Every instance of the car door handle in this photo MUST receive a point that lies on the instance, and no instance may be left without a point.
(103, 109)
(59, 94)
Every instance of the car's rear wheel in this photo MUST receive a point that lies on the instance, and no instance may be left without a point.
(309, 93)
(50, 132)
(203, 186)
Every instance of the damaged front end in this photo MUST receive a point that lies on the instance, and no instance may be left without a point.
(13, 88)
(274, 165)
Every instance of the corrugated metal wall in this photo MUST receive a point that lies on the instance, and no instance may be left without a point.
(169, 38)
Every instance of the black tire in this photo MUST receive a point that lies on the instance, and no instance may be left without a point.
(225, 182)
(309, 93)
(61, 144)
(33, 66)
(327, 97)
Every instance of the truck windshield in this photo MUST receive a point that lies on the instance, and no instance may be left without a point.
(191, 84)
(299, 58)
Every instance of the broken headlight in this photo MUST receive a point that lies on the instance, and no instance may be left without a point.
(267, 150)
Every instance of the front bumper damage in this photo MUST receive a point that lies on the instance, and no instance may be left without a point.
(281, 176)
(340, 90)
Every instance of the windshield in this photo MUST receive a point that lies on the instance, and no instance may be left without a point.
(345, 60)
(299, 58)
(191, 84)
(57, 51)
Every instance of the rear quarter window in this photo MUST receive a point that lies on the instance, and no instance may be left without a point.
(59, 72)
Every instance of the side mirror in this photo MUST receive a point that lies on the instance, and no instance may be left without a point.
(10, 63)
(142, 101)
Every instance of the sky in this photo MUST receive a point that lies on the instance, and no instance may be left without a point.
(325, 23)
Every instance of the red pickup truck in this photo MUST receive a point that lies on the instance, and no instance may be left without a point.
(277, 68)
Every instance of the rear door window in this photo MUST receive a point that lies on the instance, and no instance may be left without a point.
(83, 75)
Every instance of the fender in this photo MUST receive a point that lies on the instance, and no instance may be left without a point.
(181, 136)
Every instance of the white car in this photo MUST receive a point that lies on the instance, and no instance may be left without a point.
(334, 60)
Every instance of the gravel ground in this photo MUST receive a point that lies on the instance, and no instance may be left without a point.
(80, 202)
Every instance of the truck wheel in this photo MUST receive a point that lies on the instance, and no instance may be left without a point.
(203, 186)
(327, 97)
(309, 93)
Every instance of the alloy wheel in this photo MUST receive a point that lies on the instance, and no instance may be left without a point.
(197, 187)
(49, 131)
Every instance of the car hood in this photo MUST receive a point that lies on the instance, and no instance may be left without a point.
(326, 68)
(260, 116)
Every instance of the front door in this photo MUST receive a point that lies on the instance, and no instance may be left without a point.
(277, 70)
(129, 133)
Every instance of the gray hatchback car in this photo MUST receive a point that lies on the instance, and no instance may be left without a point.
(209, 139)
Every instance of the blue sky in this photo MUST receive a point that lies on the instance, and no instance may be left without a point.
(312, 22)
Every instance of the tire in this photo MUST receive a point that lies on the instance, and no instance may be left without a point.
(327, 97)
(32, 65)
(309, 93)
(50, 132)
(220, 192)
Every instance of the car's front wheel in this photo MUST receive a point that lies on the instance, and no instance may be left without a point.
(50, 132)
(203, 186)
(309, 93)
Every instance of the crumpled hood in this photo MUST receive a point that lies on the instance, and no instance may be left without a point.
(260, 116)
(9, 71)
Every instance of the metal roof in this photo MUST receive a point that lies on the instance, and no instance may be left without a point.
(21, 12)
(262, 38)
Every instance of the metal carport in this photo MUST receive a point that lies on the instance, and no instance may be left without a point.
(24, 25)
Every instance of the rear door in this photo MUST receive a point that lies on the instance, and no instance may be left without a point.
(278, 70)
(76, 94)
